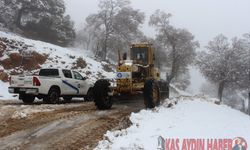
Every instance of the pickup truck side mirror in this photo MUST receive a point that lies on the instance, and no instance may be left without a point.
(84, 78)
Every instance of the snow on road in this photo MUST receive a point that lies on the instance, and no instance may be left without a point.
(77, 125)
(192, 118)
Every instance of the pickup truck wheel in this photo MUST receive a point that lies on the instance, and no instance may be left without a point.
(101, 95)
(52, 97)
(67, 99)
(28, 99)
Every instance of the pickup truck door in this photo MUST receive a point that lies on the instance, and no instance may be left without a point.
(69, 84)
(81, 83)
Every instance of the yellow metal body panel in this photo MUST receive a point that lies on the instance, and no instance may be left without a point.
(124, 85)
(130, 85)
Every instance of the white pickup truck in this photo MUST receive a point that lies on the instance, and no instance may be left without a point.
(50, 85)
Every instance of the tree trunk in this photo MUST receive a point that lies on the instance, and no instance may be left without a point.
(220, 90)
(243, 106)
(105, 48)
(19, 18)
(174, 66)
(87, 42)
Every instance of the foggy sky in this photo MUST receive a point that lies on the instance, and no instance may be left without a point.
(204, 18)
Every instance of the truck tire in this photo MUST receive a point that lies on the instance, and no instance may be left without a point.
(151, 94)
(53, 96)
(28, 99)
(89, 96)
(67, 99)
(100, 94)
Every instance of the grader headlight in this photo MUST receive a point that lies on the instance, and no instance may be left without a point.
(135, 68)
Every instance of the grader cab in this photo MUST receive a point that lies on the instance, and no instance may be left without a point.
(135, 76)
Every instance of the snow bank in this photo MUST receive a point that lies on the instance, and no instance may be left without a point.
(192, 117)
(4, 94)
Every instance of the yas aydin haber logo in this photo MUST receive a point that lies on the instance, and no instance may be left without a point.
(237, 143)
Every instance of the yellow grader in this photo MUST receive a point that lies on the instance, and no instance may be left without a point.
(136, 76)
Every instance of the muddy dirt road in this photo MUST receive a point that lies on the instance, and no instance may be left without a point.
(77, 125)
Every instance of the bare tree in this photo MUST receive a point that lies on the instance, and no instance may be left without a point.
(247, 61)
(225, 63)
(88, 36)
(38, 19)
(116, 24)
(179, 43)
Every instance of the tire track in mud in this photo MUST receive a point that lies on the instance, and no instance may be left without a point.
(11, 125)
(91, 132)
(79, 127)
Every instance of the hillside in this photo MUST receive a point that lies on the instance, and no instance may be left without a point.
(20, 55)
(192, 120)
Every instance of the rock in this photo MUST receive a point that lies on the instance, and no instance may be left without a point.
(2, 48)
(31, 62)
(107, 67)
(34, 61)
(6, 63)
(40, 58)
(4, 76)
(72, 57)
(88, 73)
(80, 63)
(16, 59)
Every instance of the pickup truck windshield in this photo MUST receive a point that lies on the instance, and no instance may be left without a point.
(49, 72)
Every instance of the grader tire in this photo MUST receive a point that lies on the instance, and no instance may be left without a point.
(89, 96)
(151, 94)
(100, 94)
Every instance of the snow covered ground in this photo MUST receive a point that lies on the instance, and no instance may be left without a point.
(191, 118)
(4, 94)
(58, 57)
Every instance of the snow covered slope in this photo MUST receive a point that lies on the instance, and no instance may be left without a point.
(191, 118)
(46, 56)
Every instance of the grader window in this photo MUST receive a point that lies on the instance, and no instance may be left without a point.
(140, 54)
